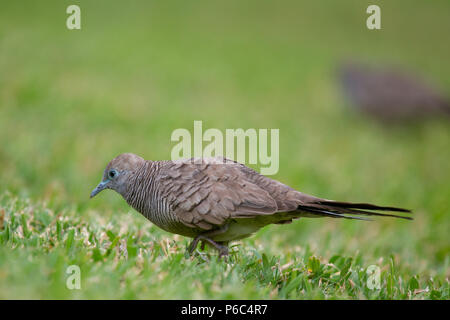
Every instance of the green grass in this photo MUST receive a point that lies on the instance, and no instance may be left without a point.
(72, 100)
(128, 261)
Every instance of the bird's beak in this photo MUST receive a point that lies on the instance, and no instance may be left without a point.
(101, 186)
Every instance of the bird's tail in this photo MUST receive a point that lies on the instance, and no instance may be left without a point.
(347, 210)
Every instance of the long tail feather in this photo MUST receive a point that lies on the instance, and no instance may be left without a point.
(367, 206)
(338, 209)
(326, 213)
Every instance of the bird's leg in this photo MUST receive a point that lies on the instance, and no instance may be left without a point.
(193, 245)
(223, 249)
(202, 245)
(205, 237)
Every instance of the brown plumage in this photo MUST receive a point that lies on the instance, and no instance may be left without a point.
(217, 200)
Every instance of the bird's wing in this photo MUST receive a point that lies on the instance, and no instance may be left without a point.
(287, 198)
(206, 194)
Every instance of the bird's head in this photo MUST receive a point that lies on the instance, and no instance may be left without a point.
(117, 172)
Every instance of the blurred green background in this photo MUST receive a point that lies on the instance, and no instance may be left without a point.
(71, 100)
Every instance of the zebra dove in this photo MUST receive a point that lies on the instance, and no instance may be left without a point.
(216, 200)
(391, 95)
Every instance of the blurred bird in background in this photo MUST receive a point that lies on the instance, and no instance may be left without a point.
(389, 94)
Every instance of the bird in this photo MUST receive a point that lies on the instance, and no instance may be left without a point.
(217, 200)
(390, 94)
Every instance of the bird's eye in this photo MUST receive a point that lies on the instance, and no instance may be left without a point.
(112, 174)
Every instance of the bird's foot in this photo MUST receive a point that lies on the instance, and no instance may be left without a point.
(223, 249)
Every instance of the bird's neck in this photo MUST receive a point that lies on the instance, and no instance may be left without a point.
(140, 184)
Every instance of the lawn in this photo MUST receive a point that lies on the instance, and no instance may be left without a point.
(72, 100)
